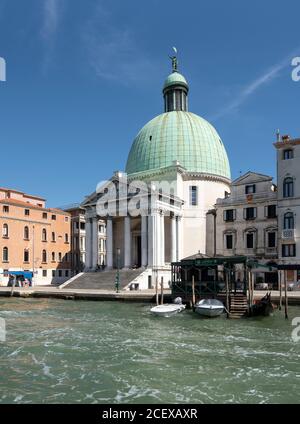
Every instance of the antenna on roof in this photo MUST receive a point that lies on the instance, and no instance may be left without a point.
(278, 135)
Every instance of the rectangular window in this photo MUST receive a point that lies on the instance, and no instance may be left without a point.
(229, 215)
(288, 154)
(44, 273)
(250, 240)
(26, 256)
(82, 225)
(66, 219)
(5, 209)
(250, 189)
(288, 250)
(229, 241)
(53, 273)
(250, 213)
(60, 273)
(45, 215)
(193, 196)
(67, 273)
(272, 239)
(26, 212)
(53, 217)
(271, 211)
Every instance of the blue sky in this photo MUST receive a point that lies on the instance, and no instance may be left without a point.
(83, 76)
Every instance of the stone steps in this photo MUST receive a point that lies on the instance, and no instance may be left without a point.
(104, 280)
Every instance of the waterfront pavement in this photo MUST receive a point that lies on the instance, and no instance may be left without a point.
(125, 295)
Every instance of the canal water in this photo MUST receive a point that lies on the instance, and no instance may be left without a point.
(60, 351)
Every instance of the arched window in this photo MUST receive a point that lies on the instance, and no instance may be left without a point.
(44, 234)
(26, 255)
(53, 256)
(288, 221)
(66, 238)
(59, 257)
(53, 236)
(5, 230)
(44, 256)
(5, 254)
(288, 187)
(26, 233)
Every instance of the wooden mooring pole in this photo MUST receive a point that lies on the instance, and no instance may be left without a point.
(156, 290)
(193, 291)
(285, 297)
(162, 291)
(280, 290)
(227, 293)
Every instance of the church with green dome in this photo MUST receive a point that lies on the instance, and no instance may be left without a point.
(178, 135)
(156, 210)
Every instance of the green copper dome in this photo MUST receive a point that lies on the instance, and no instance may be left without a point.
(181, 136)
(174, 79)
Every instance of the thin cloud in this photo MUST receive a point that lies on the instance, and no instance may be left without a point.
(267, 77)
(52, 11)
(50, 18)
(113, 52)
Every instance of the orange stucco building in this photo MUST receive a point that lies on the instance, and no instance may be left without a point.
(33, 238)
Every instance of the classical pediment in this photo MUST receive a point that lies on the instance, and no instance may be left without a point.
(250, 178)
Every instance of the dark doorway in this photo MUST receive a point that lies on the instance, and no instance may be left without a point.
(271, 278)
(139, 251)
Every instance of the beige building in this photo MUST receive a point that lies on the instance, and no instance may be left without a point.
(33, 238)
(288, 159)
(244, 223)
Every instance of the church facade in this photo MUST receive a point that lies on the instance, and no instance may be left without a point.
(155, 211)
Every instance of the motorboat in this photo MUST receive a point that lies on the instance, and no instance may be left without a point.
(168, 309)
(209, 307)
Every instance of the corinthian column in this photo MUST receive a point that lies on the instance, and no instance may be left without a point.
(109, 243)
(127, 242)
(88, 245)
(144, 235)
(95, 243)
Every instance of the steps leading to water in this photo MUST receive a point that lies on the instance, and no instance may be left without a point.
(104, 280)
(238, 306)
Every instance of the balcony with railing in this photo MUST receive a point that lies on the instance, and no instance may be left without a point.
(288, 234)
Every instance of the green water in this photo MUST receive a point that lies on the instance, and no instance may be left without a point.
(107, 352)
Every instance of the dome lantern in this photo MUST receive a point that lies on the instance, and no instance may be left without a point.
(175, 90)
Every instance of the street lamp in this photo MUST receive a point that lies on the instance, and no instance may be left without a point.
(118, 270)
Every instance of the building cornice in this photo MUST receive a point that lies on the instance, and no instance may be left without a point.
(287, 143)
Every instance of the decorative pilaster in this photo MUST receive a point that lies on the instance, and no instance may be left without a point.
(173, 239)
(179, 238)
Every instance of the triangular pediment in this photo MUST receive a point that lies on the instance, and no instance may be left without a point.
(120, 184)
(250, 178)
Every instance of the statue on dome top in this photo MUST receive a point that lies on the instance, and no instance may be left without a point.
(174, 60)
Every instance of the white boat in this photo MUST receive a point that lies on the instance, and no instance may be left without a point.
(209, 307)
(168, 310)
